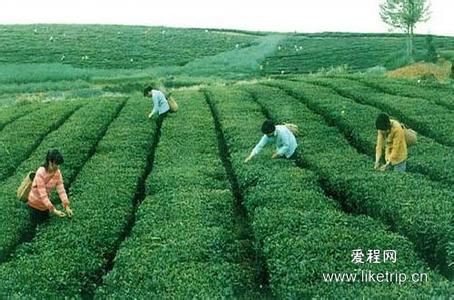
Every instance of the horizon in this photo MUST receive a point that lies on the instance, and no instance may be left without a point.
(288, 16)
(223, 29)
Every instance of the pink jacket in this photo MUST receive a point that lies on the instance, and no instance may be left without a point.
(42, 186)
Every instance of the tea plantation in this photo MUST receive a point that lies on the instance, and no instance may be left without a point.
(171, 210)
(308, 53)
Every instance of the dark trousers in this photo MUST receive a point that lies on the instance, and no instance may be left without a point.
(162, 116)
(37, 216)
(294, 155)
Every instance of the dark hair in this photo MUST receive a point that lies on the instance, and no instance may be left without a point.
(53, 155)
(383, 122)
(146, 90)
(268, 127)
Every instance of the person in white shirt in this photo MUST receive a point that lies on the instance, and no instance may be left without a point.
(160, 103)
(284, 138)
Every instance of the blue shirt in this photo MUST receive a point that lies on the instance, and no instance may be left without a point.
(160, 103)
(285, 142)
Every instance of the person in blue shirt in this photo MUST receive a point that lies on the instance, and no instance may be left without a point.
(160, 103)
(284, 138)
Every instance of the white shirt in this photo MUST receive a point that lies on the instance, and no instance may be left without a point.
(285, 142)
(160, 103)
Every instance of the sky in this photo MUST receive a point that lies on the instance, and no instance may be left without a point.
(262, 15)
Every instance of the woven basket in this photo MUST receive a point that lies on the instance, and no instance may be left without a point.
(25, 187)
(411, 137)
(173, 105)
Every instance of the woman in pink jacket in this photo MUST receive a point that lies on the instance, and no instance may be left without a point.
(47, 177)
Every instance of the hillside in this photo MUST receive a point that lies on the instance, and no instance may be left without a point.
(113, 47)
(139, 47)
(310, 53)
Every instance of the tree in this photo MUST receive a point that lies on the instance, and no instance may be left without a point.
(404, 15)
(432, 55)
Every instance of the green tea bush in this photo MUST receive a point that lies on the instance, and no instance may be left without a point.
(300, 232)
(417, 113)
(20, 138)
(357, 122)
(26, 73)
(409, 204)
(35, 87)
(309, 53)
(68, 254)
(113, 46)
(434, 95)
(75, 139)
(185, 243)
(9, 114)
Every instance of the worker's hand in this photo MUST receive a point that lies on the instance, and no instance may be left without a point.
(150, 115)
(275, 154)
(248, 158)
(384, 167)
(58, 213)
(69, 211)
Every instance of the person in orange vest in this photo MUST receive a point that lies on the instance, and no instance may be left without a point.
(391, 136)
(46, 178)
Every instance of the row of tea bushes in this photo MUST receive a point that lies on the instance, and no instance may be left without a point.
(185, 242)
(39, 87)
(301, 233)
(309, 53)
(76, 140)
(431, 120)
(435, 95)
(411, 205)
(9, 114)
(67, 257)
(357, 123)
(109, 47)
(18, 139)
